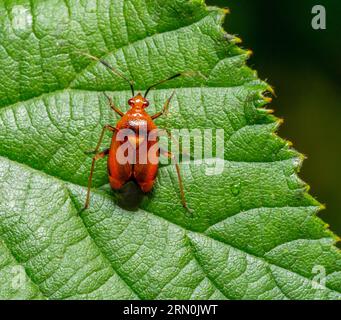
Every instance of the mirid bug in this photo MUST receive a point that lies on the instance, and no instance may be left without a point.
(139, 127)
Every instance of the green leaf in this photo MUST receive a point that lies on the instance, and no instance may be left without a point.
(254, 233)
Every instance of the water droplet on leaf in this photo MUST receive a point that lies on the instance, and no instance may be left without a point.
(236, 188)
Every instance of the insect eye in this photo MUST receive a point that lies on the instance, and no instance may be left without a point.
(146, 103)
(130, 101)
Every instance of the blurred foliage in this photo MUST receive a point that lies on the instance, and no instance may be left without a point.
(304, 66)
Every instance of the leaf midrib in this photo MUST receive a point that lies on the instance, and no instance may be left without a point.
(69, 89)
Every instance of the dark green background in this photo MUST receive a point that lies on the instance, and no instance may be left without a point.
(304, 66)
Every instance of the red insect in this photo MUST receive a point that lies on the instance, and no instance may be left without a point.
(142, 164)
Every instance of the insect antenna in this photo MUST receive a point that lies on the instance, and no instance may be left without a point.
(131, 83)
(162, 81)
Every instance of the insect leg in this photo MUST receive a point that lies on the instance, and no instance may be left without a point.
(182, 192)
(165, 107)
(96, 157)
(106, 127)
(118, 111)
